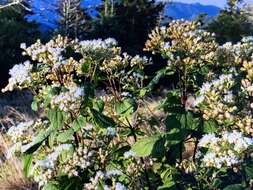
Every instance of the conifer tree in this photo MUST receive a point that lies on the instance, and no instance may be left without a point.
(231, 24)
(128, 21)
(14, 30)
(73, 19)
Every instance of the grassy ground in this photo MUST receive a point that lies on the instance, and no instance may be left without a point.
(11, 173)
(15, 107)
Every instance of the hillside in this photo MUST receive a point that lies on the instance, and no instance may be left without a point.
(46, 16)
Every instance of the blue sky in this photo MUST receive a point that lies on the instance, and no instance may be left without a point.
(220, 3)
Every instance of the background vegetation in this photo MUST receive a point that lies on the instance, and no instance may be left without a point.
(175, 115)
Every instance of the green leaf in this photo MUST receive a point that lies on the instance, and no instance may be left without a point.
(167, 176)
(161, 73)
(145, 146)
(27, 163)
(85, 66)
(68, 134)
(34, 105)
(143, 92)
(51, 138)
(102, 120)
(126, 107)
(51, 186)
(173, 98)
(210, 126)
(175, 136)
(249, 170)
(159, 148)
(188, 121)
(65, 136)
(234, 187)
(172, 122)
(56, 118)
(66, 155)
(49, 93)
(98, 105)
(169, 186)
(216, 183)
(43, 134)
(79, 123)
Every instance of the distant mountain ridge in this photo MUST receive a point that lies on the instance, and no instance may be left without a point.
(46, 16)
(178, 10)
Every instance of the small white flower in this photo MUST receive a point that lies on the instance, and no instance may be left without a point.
(111, 131)
(11, 150)
(198, 100)
(126, 94)
(120, 186)
(207, 139)
(16, 132)
(228, 97)
(89, 127)
(166, 46)
(23, 45)
(113, 173)
(129, 154)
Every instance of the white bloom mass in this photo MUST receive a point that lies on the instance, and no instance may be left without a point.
(16, 132)
(129, 154)
(225, 150)
(69, 100)
(120, 186)
(213, 86)
(20, 75)
(98, 44)
(48, 162)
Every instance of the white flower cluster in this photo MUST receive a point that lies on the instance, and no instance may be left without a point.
(100, 177)
(120, 186)
(54, 54)
(22, 136)
(82, 158)
(93, 45)
(17, 132)
(69, 100)
(50, 53)
(138, 60)
(111, 173)
(245, 47)
(226, 150)
(111, 131)
(215, 86)
(132, 79)
(43, 170)
(49, 161)
(94, 181)
(129, 154)
(20, 75)
(242, 48)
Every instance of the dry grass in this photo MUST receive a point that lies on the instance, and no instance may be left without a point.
(14, 108)
(11, 174)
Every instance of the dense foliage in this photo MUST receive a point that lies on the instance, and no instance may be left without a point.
(129, 22)
(97, 130)
(73, 21)
(232, 24)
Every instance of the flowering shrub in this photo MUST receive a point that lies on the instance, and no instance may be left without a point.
(97, 131)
